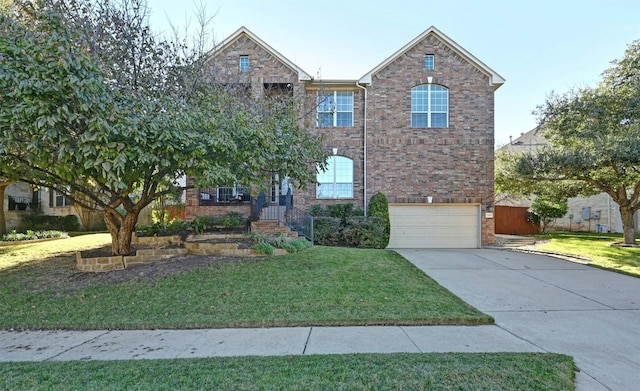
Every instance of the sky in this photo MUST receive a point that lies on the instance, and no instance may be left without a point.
(538, 46)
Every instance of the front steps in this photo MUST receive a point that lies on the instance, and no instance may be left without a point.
(272, 228)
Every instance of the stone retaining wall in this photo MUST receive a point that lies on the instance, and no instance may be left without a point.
(144, 256)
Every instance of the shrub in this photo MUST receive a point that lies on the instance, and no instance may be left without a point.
(344, 225)
(545, 210)
(178, 227)
(233, 220)
(327, 231)
(279, 241)
(343, 211)
(41, 222)
(289, 247)
(366, 232)
(230, 221)
(378, 206)
(300, 244)
(175, 227)
(202, 224)
(257, 237)
(318, 210)
(15, 236)
(263, 248)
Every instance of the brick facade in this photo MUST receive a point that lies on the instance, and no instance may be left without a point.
(452, 164)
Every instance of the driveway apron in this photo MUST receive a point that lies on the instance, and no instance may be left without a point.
(557, 305)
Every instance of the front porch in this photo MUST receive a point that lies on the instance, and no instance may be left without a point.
(271, 214)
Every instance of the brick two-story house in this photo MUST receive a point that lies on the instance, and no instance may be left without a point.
(419, 127)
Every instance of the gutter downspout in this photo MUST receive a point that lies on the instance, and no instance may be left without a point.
(364, 147)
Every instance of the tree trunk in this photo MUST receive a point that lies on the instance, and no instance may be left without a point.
(628, 226)
(3, 222)
(121, 231)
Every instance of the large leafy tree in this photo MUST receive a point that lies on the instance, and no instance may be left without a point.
(593, 144)
(95, 106)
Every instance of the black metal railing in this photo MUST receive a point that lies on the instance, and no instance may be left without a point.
(300, 221)
(257, 205)
(262, 209)
(224, 196)
(23, 203)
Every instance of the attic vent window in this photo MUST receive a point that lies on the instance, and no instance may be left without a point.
(429, 62)
(244, 63)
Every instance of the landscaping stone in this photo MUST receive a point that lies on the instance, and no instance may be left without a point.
(196, 245)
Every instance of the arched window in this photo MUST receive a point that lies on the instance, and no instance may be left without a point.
(337, 180)
(429, 106)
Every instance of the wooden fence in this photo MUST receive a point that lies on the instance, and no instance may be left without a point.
(512, 220)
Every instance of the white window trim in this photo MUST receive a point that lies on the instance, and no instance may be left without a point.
(240, 63)
(433, 62)
(429, 112)
(65, 199)
(334, 111)
(334, 194)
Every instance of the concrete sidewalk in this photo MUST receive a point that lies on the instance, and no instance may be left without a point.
(155, 344)
(540, 304)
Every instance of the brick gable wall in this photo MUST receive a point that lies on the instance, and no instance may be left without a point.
(454, 164)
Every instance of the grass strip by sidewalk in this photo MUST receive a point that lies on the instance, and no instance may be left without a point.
(318, 286)
(597, 248)
(432, 371)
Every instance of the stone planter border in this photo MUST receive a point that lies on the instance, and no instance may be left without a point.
(144, 256)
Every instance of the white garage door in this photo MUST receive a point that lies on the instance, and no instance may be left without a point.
(434, 226)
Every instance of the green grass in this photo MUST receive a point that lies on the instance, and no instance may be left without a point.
(318, 286)
(451, 371)
(14, 255)
(597, 248)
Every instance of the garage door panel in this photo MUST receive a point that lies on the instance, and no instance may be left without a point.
(434, 211)
(434, 226)
(434, 221)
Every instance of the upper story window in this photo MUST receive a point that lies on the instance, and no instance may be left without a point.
(429, 106)
(337, 180)
(429, 62)
(244, 63)
(335, 108)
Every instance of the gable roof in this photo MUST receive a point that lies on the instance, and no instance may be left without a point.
(495, 79)
(302, 75)
(530, 140)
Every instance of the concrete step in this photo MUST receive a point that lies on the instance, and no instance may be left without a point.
(514, 241)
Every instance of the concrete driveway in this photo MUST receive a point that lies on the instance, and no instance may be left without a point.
(557, 305)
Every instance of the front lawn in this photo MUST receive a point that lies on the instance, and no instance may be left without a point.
(450, 371)
(597, 248)
(12, 255)
(318, 286)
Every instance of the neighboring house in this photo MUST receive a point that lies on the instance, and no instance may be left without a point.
(419, 127)
(21, 198)
(591, 214)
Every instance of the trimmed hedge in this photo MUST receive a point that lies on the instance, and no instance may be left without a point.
(40, 222)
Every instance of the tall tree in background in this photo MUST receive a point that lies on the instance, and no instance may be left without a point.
(94, 106)
(593, 137)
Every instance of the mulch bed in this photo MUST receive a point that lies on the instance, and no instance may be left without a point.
(60, 273)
